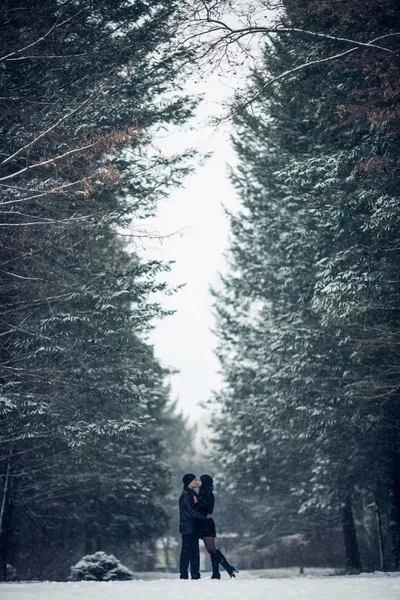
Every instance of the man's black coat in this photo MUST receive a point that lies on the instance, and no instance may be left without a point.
(187, 513)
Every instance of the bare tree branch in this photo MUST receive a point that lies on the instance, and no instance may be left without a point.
(252, 29)
(289, 72)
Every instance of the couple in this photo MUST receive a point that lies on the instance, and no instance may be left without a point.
(195, 522)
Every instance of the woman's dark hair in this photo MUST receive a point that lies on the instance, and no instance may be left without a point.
(207, 482)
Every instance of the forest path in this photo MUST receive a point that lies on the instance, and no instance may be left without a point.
(379, 587)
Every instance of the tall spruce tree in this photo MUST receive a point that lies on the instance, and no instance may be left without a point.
(84, 86)
(306, 316)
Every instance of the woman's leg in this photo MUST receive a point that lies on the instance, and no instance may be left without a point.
(218, 558)
(209, 543)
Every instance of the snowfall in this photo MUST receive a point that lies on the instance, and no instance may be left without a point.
(378, 586)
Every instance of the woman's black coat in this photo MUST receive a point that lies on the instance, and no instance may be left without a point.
(205, 506)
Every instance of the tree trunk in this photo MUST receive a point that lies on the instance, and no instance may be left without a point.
(353, 561)
(381, 547)
(394, 526)
(6, 508)
(166, 542)
(88, 535)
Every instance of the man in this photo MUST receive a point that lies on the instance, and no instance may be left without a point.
(190, 554)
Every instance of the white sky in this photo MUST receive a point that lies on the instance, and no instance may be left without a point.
(185, 341)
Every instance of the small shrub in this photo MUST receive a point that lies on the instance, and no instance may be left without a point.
(100, 567)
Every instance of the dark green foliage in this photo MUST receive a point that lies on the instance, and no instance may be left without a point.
(84, 86)
(307, 317)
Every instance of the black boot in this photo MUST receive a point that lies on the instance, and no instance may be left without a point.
(215, 565)
(228, 568)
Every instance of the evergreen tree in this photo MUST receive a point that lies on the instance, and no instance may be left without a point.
(311, 278)
(84, 87)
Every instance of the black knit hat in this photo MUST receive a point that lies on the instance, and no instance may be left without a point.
(207, 481)
(188, 478)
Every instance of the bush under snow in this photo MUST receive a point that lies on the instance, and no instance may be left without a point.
(100, 567)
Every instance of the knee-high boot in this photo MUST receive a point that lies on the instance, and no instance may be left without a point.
(215, 565)
(230, 569)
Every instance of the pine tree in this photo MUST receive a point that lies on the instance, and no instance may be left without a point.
(84, 87)
(298, 312)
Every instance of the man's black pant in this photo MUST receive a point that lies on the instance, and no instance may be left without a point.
(190, 554)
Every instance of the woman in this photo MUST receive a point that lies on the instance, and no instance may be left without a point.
(206, 529)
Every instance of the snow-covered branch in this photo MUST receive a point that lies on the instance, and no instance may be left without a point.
(49, 161)
(37, 41)
(47, 131)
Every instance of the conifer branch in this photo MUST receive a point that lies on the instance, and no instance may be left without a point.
(49, 161)
(47, 131)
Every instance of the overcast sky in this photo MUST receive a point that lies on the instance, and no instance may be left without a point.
(184, 341)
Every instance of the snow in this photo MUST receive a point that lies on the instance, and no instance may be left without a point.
(369, 587)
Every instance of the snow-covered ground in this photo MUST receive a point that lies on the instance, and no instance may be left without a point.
(369, 587)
